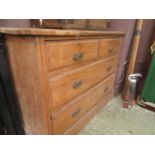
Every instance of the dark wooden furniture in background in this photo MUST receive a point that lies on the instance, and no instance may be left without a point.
(85, 24)
(61, 77)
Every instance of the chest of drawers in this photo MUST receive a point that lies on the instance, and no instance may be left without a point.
(61, 77)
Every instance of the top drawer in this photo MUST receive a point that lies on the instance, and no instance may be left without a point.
(62, 54)
(109, 47)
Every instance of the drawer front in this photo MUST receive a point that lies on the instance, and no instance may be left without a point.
(64, 119)
(75, 129)
(63, 54)
(103, 89)
(109, 47)
(64, 89)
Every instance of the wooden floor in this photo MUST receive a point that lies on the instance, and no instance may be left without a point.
(115, 120)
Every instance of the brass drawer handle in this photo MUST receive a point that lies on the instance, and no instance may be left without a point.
(77, 84)
(76, 112)
(78, 56)
(109, 68)
(106, 89)
(110, 50)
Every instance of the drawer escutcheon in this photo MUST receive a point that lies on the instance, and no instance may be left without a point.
(109, 68)
(111, 49)
(78, 56)
(76, 112)
(77, 84)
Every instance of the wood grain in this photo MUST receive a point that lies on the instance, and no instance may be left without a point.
(109, 47)
(87, 24)
(85, 119)
(28, 75)
(81, 106)
(50, 85)
(62, 88)
(63, 53)
(57, 33)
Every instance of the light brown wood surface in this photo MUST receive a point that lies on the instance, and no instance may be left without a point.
(25, 58)
(64, 53)
(86, 24)
(57, 33)
(109, 47)
(62, 88)
(85, 119)
(50, 87)
(79, 107)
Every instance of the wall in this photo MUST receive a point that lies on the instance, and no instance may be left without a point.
(22, 23)
(128, 27)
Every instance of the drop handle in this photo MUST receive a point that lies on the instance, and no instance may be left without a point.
(77, 84)
(111, 49)
(109, 68)
(76, 112)
(106, 89)
(78, 56)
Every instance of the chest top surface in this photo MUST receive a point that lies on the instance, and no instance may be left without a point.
(57, 32)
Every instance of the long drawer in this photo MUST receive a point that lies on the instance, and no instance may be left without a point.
(65, 53)
(109, 47)
(89, 115)
(66, 88)
(71, 113)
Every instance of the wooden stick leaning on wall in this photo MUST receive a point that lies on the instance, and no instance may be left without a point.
(133, 55)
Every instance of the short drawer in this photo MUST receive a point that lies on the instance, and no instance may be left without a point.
(63, 54)
(109, 47)
(65, 88)
(70, 114)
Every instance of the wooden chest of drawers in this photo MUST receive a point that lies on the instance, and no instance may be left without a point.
(61, 77)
